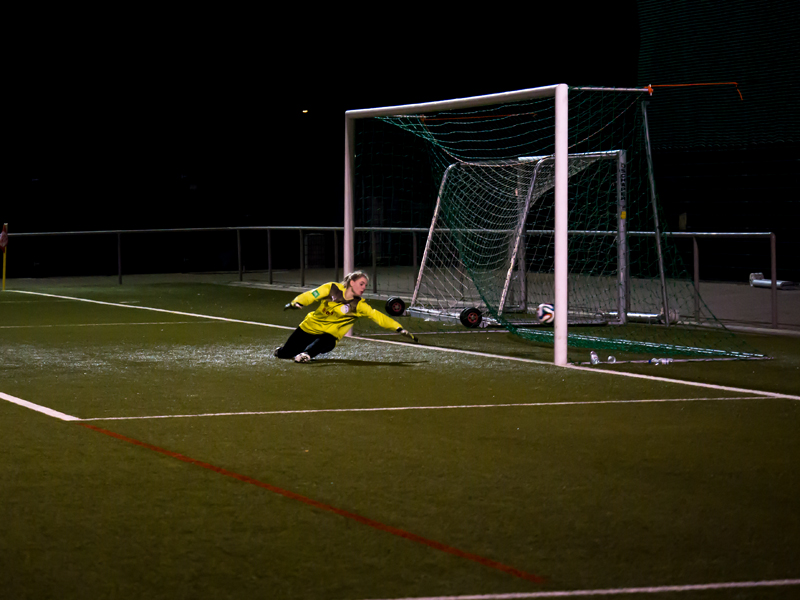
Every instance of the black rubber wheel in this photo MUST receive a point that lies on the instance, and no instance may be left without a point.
(395, 307)
(471, 317)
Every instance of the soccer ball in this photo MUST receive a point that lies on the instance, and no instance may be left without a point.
(545, 313)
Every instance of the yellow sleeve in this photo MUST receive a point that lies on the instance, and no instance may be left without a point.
(312, 296)
(365, 310)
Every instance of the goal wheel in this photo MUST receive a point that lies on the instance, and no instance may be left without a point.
(395, 306)
(471, 317)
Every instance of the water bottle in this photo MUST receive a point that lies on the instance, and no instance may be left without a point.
(594, 358)
(611, 360)
(666, 361)
(655, 361)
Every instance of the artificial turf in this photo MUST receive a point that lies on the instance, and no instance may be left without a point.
(579, 488)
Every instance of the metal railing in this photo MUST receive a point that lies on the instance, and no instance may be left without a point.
(415, 231)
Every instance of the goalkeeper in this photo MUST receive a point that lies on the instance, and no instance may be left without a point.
(340, 304)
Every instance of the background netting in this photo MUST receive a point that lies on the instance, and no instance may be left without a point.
(486, 174)
(751, 43)
(727, 156)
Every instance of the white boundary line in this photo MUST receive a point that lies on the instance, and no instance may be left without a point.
(664, 589)
(42, 409)
(711, 386)
(102, 324)
(404, 408)
(161, 310)
(467, 352)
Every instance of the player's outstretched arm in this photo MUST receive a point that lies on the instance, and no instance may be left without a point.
(384, 321)
(308, 298)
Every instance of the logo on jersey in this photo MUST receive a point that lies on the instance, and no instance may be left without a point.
(315, 293)
(346, 308)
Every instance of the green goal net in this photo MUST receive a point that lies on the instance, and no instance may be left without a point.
(455, 209)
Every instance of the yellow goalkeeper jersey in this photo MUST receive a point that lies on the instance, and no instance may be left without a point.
(335, 315)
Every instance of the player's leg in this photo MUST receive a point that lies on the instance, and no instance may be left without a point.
(324, 343)
(297, 343)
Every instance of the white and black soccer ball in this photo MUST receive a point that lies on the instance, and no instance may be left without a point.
(545, 313)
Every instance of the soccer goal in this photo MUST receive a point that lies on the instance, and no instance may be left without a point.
(539, 196)
(479, 266)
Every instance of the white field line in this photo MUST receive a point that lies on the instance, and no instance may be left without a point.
(404, 408)
(437, 349)
(663, 589)
(160, 310)
(710, 386)
(102, 324)
(42, 409)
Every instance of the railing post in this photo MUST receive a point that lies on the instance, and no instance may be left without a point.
(302, 262)
(696, 262)
(269, 254)
(374, 263)
(414, 257)
(773, 267)
(336, 255)
(239, 250)
(119, 258)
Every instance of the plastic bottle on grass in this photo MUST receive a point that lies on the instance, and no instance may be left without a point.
(593, 357)
(660, 361)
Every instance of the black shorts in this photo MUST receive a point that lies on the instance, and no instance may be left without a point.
(310, 343)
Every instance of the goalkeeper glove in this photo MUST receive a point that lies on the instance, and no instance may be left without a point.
(293, 305)
(408, 334)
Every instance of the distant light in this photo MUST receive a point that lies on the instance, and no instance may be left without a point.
(305, 111)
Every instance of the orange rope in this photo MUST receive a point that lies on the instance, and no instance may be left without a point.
(733, 83)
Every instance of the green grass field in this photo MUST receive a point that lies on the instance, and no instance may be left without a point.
(184, 461)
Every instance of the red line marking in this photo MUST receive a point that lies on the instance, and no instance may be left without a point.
(487, 562)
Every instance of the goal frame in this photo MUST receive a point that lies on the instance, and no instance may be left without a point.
(517, 261)
(560, 94)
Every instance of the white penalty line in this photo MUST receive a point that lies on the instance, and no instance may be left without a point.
(102, 324)
(153, 309)
(38, 408)
(664, 589)
(405, 408)
(710, 386)
(65, 417)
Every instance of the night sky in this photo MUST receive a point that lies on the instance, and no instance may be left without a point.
(154, 121)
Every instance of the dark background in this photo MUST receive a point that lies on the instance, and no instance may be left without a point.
(155, 120)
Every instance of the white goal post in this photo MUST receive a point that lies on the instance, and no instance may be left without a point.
(560, 92)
